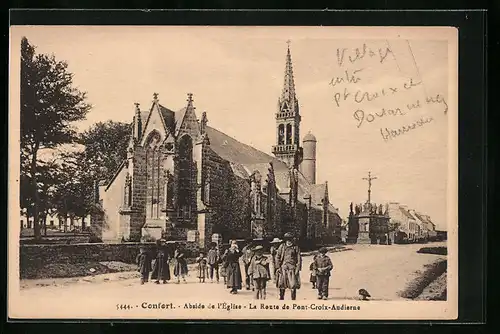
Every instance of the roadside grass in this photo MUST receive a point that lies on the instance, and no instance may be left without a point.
(432, 271)
(433, 250)
(70, 270)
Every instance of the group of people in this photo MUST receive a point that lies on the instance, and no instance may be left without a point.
(160, 269)
(283, 267)
(159, 265)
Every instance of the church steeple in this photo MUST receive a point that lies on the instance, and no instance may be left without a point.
(287, 146)
(288, 92)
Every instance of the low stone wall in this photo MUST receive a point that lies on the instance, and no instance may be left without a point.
(32, 257)
(66, 239)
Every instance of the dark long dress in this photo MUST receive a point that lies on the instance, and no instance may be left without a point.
(161, 270)
(143, 261)
(233, 270)
(180, 264)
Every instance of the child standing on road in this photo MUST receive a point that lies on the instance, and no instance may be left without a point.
(202, 267)
(213, 262)
(323, 266)
(312, 278)
(223, 263)
(260, 273)
(180, 265)
(143, 261)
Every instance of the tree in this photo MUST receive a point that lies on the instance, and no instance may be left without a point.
(105, 147)
(49, 104)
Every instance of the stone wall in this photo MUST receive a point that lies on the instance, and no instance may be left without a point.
(229, 200)
(32, 257)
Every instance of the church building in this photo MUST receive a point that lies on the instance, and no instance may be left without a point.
(185, 180)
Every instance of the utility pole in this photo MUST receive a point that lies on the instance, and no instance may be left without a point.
(369, 179)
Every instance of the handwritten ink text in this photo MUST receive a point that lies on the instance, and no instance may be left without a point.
(388, 134)
(359, 54)
(350, 77)
(361, 96)
(438, 99)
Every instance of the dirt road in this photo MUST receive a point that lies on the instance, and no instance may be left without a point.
(382, 270)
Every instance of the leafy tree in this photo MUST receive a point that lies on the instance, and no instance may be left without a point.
(49, 104)
(71, 190)
(47, 180)
(105, 147)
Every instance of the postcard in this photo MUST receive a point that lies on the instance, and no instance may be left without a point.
(233, 173)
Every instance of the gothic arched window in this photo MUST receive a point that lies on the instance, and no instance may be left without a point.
(289, 134)
(186, 175)
(153, 175)
(281, 134)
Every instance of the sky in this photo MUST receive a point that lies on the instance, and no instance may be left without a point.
(236, 76)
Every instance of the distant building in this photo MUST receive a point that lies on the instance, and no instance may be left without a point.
(441, 235)
(394, 222)
(56, 222)
(412, 226)
(429, 226)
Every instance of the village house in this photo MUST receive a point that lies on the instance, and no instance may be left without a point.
(428, 225)
(407, 226)
(185, 180)
(56, 222)
(394, 222)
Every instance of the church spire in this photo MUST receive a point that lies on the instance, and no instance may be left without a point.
(287, 147)
(288, 93)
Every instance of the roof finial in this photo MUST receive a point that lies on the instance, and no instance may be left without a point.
(137, 109)
(288, 43)
(190, 97)
(155, 97)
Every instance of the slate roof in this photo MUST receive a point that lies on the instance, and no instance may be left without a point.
(245, 159)
(419, 217)
(426, 219)
(179, 116)
(169, 116)
(232, 150)
(406, 213)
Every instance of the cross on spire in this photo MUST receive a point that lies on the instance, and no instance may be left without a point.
(190, 97)
(155, 96)
(369, 179)
(288, 43)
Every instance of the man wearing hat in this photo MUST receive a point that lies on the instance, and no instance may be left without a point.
(289, 264)
(323, 266)
(275, 243)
